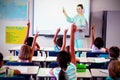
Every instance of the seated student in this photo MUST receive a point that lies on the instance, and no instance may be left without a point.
(114, 53)
(59, 41)
(114, 70)
(4, 70)
(26, 52)
(97, 43)
(29, 40)
(66, 61)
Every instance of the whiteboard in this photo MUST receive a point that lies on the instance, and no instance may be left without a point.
(48, 15)
(113, 29)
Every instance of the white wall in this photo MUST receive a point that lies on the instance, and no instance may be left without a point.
(97, 6)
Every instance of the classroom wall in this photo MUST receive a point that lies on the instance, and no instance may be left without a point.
(97, 8)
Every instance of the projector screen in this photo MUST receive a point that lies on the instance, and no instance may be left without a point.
(48, 15)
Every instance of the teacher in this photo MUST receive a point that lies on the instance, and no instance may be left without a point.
(80, 21)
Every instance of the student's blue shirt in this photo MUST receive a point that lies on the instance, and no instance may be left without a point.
(56, 48)
(70, 72)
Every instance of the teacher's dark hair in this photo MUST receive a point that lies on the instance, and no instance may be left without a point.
(80, 5)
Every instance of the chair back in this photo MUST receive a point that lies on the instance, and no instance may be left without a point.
(13, 78)
(97, 54)
(19, 63)
(98, 65)
(17, 52)
(53, 53)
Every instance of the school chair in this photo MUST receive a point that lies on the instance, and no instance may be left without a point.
(98, 65)
(97, 54)
(53, 53)
(53, 64)
(17, 52)
(19, 63)
(13, 78)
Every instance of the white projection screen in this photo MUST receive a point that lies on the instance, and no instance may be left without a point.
(48, 15)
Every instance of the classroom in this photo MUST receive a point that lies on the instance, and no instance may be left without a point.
(16, 15)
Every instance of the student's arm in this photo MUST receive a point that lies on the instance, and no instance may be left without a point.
(16, 72)
(33, 46)
(64, 40)
(27, 34)
(92, 35)
(55, 36)
(37, 46)
(51, 71)
(72, 50)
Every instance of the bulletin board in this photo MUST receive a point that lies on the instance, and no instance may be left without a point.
(15, 34)
(13, 9)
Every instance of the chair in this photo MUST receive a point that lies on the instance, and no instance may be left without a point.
(13, 78)
(98, 65)
(20, 63)
(17, 52)
(97, 54)
(53, 64)
(53, 53)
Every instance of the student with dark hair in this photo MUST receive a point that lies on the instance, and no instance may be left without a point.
(114, 70)
(29, 40)
(4, 70)
(114, 53)
(59, 41)
(80, 21)
(66, 61)
(26, 52)
(97, 43)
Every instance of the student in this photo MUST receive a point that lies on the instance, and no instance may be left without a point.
(27, 51)
(114, 70)
(97, 43)
(67, 62)
(114, 53)
(28, 40)
(4, 70)
(81, 24)
(59, 41)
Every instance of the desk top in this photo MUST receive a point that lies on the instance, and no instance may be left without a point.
(44, 72)
(99, 72)
(50, 49)
(51, 59)
(26, 69)
(96, 60)
(15, 58)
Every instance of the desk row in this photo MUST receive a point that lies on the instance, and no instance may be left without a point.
(53, 59)
(44, 72)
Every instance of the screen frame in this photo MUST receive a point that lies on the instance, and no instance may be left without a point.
(51, 35)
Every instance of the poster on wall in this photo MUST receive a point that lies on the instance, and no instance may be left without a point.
(15, 34)
(13, 9)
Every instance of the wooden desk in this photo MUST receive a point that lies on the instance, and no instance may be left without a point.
(29, 70)
(99, 73)
(44, 72)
